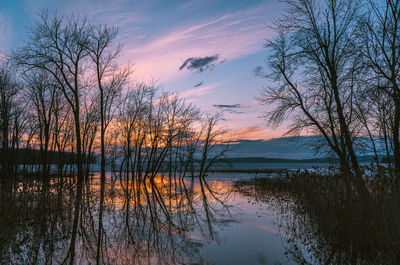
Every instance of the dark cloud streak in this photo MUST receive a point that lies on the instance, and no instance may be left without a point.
(222, 106)
(230, 108)
(200, 63)
(199, 84)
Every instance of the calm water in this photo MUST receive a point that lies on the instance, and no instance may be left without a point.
(164, 221)
(169, 222)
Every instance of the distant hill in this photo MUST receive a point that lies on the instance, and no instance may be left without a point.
(285, 148)
(274, 160)
(297, 148)
(33, 156)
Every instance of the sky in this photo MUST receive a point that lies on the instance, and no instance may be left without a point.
(205, 50)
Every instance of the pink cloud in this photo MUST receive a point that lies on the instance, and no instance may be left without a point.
(198, 91)
(231, 36)
(251, 133)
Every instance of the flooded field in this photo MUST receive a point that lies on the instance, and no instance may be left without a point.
(223, 219)
(164, 222)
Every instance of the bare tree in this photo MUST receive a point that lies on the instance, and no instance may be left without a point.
(58, 45)
(380, 47)
(43, 94)
(313, 67)
(89, 128)
(10, 111)
(109, 80)
(62, 131)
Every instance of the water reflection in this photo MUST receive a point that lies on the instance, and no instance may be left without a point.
(319, 225)
(158, 220)
(172, 220)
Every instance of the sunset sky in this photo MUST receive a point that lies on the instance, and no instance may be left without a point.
(205, 50)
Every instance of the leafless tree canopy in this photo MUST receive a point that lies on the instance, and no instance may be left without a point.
(333, 71)
(64, 97)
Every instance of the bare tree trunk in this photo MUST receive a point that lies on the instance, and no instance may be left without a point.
(395, 135)
(79, 164)
(102, 176)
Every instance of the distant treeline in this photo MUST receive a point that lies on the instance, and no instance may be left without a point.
(31, 157)
(365, 158)
(275, 160)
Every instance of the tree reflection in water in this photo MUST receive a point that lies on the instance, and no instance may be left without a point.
(147, 220)
(323, 225)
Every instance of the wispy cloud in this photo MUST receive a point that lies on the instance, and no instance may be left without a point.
(158, 51)
(251, 133)
(5, 33)
(231, 36)
(251, 103)
(199, 91)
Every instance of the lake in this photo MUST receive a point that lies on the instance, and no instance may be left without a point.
(182, 225)
(164, 220)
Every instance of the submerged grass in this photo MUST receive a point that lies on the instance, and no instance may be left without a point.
(326, 225)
